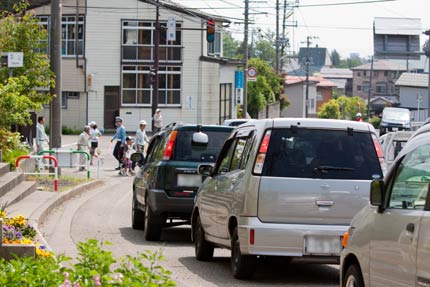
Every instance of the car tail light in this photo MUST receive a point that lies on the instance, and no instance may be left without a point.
(379, 153)
(259, 162)
(252, 236)
(170, 145)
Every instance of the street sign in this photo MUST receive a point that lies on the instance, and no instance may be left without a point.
(171, 29)
(15, 59)
(238, 76)
(239, 96)
(252, 74)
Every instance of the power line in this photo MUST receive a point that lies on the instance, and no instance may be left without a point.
(345, 3)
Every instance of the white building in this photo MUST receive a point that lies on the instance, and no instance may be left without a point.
(105, 68)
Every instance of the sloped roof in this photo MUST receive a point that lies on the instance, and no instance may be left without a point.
(336, 73)
(397, 26)
(382, 65)
(413, 80)
(320, 81)
(163, 3)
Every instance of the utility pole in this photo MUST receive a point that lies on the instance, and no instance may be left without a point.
(427, 53)
(55, 55)
(277, 38)
(245, 65)
(308, 62)
(156, 61)
(369, 91)
(283, 45)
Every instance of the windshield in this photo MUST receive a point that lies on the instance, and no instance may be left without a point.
(396, 115)
(328, 154)
(186, 150)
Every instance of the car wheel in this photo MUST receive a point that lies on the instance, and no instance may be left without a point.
(242, 266)
(152, 230)
(204, 250)
(137, 216)
(353, 277)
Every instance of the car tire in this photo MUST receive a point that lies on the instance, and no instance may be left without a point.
(152, 231)
(242, 266)
(353, 277)
(137, 216)
(204, 250)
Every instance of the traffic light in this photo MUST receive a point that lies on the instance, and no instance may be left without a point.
(150, 80)
(210, 30)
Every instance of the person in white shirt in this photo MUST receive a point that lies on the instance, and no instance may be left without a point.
(42, 140)
(158, 121)
(83, 142)
(94, 136)
(141, 137)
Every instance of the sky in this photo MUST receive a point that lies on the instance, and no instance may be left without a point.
(346, 28)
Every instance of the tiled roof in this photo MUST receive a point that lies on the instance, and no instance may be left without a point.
(382, 65)
(336, 73)
(413, 80)
(320, 81)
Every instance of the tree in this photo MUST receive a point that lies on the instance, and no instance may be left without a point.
(231, 47)
(335, 58)
(266, 89)
(265, 51)
(342, 108)
(330, 110)
(20, 32)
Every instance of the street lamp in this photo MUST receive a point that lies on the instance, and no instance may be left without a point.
(426, 50)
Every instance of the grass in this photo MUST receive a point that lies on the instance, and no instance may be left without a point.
(46, 183)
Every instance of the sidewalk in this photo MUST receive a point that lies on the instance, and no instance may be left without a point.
(39, 204)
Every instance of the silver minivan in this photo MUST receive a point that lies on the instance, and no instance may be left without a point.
(388, 243)
(285, 187)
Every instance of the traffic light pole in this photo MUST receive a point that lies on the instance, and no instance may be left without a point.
(156, 61)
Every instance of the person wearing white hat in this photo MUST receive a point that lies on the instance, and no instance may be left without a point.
(141, 137)
(94, 136)
(158, 121)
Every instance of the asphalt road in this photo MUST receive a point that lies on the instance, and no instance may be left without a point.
(105, 214)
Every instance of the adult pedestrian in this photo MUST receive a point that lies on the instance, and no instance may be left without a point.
(141, 137)
(42, 140)
(120, 137)
(83, 145)
(158, 121)
(94, 136)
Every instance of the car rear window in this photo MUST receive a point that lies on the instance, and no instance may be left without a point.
(328, 154)
(186, 150)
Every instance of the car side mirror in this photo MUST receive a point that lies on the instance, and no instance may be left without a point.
(377, 193)
(205, 169)
(137, 157)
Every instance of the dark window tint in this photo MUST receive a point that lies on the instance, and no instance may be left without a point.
(328, 154)
(237, 123)
(186, 150)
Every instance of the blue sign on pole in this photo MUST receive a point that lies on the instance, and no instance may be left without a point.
(239, 79)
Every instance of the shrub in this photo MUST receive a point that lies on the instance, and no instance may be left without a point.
(70, 131)
(375, 121)
(93, 268)
(12, 147)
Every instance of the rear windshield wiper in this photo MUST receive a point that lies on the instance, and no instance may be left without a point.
(327, 168)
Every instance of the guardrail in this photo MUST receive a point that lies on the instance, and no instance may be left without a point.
(70, 162)
(50, 157)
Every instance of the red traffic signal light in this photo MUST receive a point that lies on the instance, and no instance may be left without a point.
(210, 30)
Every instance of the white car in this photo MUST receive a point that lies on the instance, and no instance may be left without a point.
(388, 242)
(392, 143)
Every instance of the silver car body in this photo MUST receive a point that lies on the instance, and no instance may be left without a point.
(392, 143)
(303, 218)
(390, 244)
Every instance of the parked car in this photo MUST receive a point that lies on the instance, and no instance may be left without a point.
(167, 180)
(235, 122)
(388, 241)
(285, 187)
(392, 143)
(395, 119)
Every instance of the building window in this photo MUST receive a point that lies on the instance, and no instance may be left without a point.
(63, 100)
(214, 48)
(358, 88)
(358, 74)
(319, 96)
(365, 87)
(44, 23)
(72, 40)
(375, 74)
(137, 91)
(72, 95)
(386, 73)
(365, 73)
(137, 59)
(381, 88)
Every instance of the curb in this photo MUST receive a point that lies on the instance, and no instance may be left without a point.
(43, 211)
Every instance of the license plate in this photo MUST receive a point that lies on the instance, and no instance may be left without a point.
(322, 245)
(395, 129)
(189, 180)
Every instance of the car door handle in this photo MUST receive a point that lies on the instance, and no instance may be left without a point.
(324, 203)
(410, 227)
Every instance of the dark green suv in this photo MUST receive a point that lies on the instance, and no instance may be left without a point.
(167, 181)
